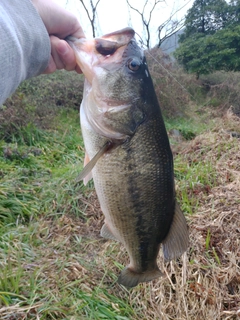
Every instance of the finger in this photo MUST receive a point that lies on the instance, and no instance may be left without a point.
(78, 32)
(78, 69)
(51, 66)
(66, 54)
(57, 59)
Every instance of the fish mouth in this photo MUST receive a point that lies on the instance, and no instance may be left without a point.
(109, 43)
(98, 51)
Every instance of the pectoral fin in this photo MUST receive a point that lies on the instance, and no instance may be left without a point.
(90, 165)
(106, 233)
(89, 176)
(176, 242)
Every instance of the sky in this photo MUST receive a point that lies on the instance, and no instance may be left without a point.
(114, 15)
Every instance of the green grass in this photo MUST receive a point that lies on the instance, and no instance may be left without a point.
(193, 179)
(37, 166)
(189, 126)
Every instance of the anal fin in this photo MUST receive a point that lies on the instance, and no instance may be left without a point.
(177, 240)
(106, 233)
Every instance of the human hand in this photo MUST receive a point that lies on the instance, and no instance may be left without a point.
(59, 23)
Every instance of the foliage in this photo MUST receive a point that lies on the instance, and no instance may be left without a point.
(222, 91)
(38, 101)
(211, 39)
(206, 17)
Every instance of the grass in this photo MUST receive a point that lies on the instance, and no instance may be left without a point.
(34, 165)
(54, 264)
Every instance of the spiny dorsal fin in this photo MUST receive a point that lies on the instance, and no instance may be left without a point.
(176, 242)
(88, 168)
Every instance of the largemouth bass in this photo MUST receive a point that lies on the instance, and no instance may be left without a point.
(128, 154)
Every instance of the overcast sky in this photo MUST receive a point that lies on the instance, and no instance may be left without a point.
(114, 14)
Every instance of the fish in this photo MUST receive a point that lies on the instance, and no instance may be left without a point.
(128, 154)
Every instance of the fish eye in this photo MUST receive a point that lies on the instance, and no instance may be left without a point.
(134, 64)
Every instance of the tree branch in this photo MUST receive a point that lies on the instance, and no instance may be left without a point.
(91, 19)
(145, 21)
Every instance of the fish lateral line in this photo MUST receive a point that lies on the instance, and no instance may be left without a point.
(88, 168)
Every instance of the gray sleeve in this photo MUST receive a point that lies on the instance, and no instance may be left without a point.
(24, 45)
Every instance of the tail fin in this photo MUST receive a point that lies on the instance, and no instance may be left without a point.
(176, 242)
(129, 278)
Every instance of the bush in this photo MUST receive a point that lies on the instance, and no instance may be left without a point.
(37, 102)
(173, 87)
(223, 90)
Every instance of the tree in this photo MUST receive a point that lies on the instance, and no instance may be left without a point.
(168, 28)
(165, 30)
(205, 16)
(209, 41)
(234, 12)
(92, 18)
(146, 19)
